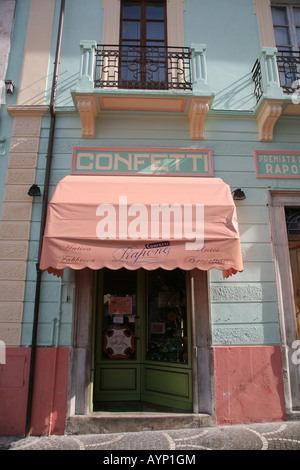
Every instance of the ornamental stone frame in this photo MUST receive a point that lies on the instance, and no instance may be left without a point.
(80, 364)
(277, 201)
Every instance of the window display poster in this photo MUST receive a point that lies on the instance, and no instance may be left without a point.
(120, 306)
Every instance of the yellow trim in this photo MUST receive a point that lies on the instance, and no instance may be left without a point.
(111, 22)
(262, 8)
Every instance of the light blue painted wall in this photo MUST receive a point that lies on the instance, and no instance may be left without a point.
(229, 28)
(82, 20)
(243, 308)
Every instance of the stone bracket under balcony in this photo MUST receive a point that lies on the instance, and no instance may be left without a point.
(272, 102)
(91, 101)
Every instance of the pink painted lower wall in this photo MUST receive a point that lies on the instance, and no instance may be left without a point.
(248, 388)
(50, 392)
(13, 391)
(248, 384)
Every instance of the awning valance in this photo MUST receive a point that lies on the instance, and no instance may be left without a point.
(141, 222)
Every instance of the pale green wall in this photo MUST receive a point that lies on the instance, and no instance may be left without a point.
(212, 22)
(82, 20)
(243, 308)
(229, 28)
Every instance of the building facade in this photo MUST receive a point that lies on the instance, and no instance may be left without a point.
(119, 109)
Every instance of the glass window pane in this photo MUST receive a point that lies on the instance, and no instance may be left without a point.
(292, 217)
(279, 16)
(131, 30)
(282, 36)
(167, 316)
(155, 11)
(297, 16)
(131, 10)
(159, 45)
(132, 42)
(155, 30)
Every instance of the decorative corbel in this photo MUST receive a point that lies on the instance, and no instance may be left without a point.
(197, 114)
(87, 109)
(266, 119)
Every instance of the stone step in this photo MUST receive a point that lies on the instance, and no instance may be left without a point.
(116, 422)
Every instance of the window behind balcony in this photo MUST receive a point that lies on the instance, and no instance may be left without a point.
(286, 22)
(143, 41)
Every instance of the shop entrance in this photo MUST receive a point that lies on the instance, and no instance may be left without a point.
(142, 357)
(293, 229)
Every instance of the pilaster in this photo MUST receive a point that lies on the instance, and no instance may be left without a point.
(16, 218)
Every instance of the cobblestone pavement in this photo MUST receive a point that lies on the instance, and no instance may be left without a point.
(264, 436)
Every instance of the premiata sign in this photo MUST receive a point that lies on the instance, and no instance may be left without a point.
(141, 161)
(277, 164)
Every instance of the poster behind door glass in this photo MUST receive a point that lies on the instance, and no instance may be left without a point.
(119, 315)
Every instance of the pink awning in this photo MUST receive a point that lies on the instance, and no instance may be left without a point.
(141, 222)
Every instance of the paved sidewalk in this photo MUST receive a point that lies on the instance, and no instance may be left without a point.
(265, 436)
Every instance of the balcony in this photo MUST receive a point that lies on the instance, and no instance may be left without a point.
(146, 79)
(143, 68)
(276, 78)
(288, 64)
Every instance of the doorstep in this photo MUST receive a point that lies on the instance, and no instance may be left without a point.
(115, 422)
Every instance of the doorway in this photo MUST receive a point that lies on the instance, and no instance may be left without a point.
(143, 40)
(292, 215)
(142, 358)
(279, 200)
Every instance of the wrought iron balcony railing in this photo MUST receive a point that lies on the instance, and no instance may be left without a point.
(288, 63)
(141, 67)
(257, 80)
(276, 72)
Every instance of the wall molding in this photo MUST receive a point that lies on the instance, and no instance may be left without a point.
(277, 201)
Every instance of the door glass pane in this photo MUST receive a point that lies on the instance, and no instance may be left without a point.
(279, 16)
(167, 316)
(155, 11)
(297, 16)
(155, 31)
(282, 36)
(119, 315)
(131, 30)
(131, 10)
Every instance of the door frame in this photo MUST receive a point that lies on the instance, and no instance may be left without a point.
(278, 199)
(140, 50)
(106, 366)
(81, 372)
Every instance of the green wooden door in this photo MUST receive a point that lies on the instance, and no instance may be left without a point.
(142, 340)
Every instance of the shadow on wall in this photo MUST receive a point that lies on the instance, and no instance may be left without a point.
(239, 95)
(63, 93)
